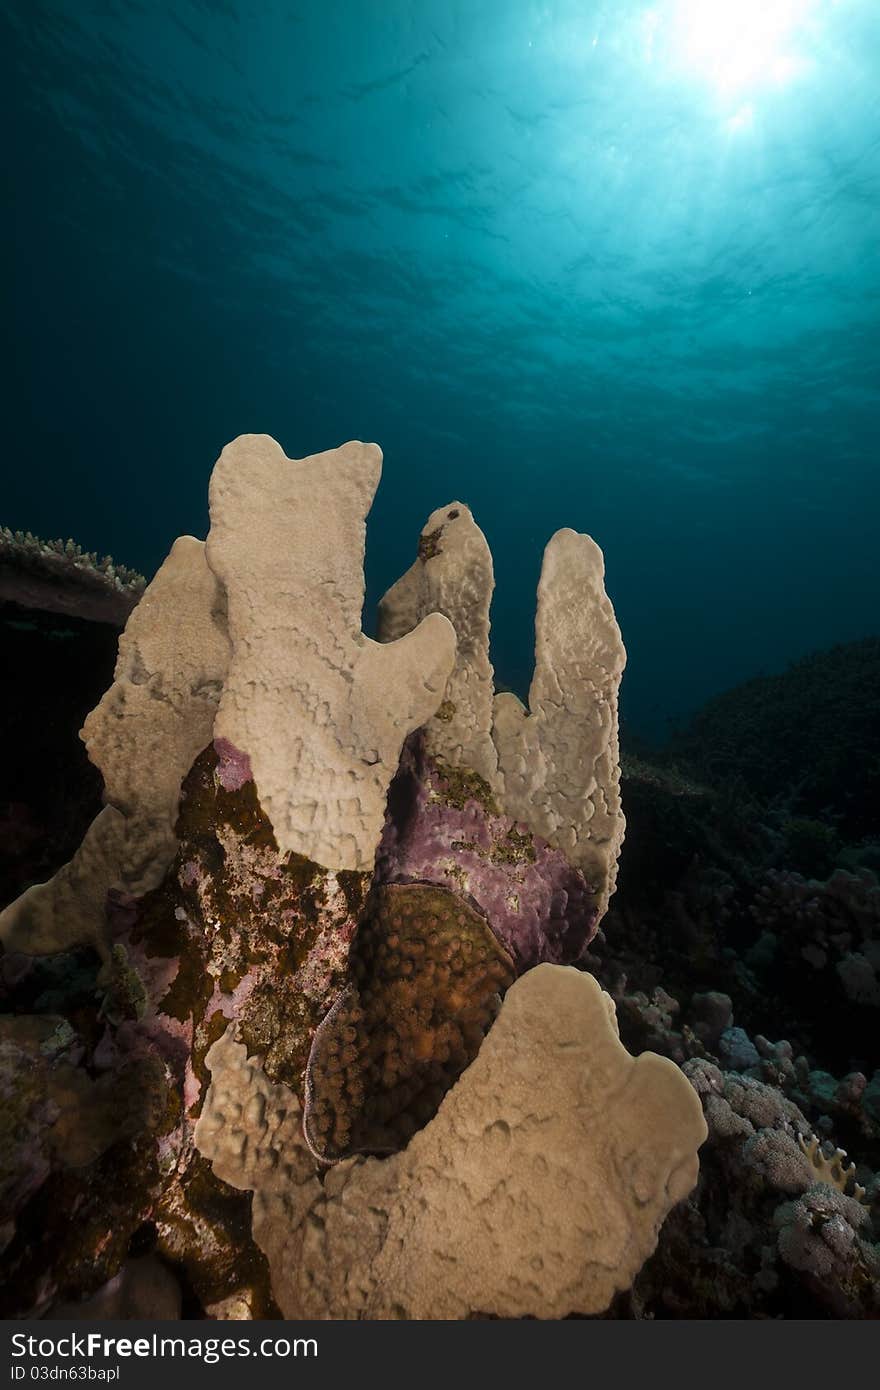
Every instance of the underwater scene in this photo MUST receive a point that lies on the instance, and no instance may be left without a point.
(440, 660)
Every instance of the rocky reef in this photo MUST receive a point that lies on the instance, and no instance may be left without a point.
(332, 1009)
(60, 577)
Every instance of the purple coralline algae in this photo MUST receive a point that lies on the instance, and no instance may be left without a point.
(444, 827)
(233, 766)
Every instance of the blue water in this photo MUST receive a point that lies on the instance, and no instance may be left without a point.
(545, 254)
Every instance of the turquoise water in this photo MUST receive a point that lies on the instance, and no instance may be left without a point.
(600, 265)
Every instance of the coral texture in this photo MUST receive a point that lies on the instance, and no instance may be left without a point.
(453, 575)
(427, 974)
(144, 734)
(558, 762)
(764, 1174)
(319, 709)
(248, 745)
(537, 1189)
(553, 767)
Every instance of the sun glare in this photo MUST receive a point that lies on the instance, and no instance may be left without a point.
(740, 44)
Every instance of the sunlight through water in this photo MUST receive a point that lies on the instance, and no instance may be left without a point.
(738, 44)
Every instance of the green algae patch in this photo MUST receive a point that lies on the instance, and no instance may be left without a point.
(456, 786)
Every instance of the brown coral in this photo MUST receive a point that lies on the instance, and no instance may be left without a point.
(427, 974)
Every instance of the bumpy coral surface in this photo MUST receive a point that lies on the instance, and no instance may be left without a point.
(558, 761)
(537, 1189)
(428, 975)
(144, 735)
(453, 575)
(554, 766)
(222, 905)
(767, 1191)
(320, 711)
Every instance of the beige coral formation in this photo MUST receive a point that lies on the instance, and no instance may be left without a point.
(830, 1169)
(537, 1190)
(320, 710)
(555, 765)
(453, 575)
(143, 736)
(558, 762)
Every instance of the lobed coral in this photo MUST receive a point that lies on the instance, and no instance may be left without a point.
(555, 766)
(538, 1188)
(320, 711)
(283, 907)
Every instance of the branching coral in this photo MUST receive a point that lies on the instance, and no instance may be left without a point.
(319, 709)
(830, 1169)
(554, 767)
(248, 746)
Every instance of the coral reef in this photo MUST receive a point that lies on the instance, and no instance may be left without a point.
(320, 711)
(295, 1030)
(144, 735)
(60, 577)
(248, 745)
(763, 1171)
(537, 1189)
(554, 767)
(760, 1141)
(835, 923)
(807, 738)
